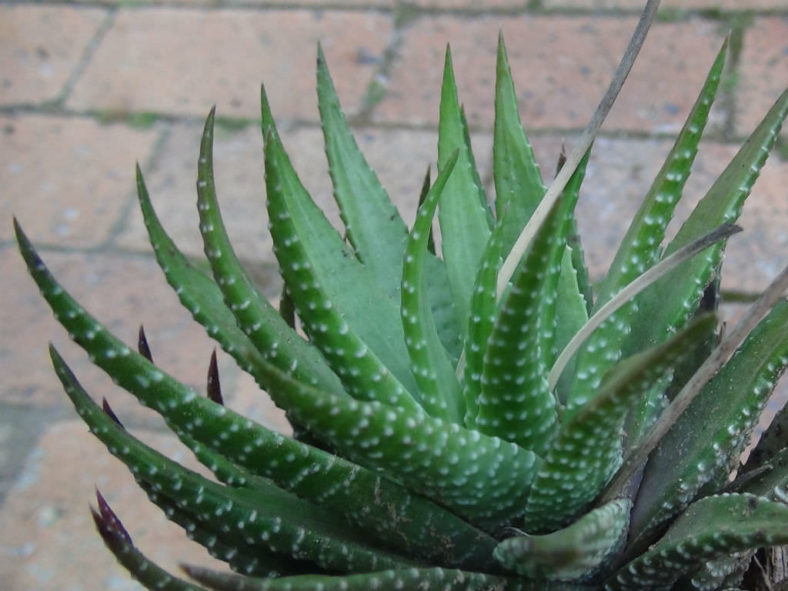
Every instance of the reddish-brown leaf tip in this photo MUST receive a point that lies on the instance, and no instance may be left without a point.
(214, 387)
(110, 413)
(142, 345)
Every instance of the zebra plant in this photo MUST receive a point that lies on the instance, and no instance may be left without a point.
(473, 414)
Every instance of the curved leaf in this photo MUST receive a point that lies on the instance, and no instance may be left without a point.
(282, 521)
(381, 507)
(272, 337)
(518, 180)
(433, 369)
(670, 301)
(587, 450)
(484, 306)
(641, 247)
(358, 330)
(709, 529)
(573, 553)
(704, 446)
(424, 579)
(465, 218)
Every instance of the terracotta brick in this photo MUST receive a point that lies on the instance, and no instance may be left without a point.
(763, 72)
(561, 67)
(182, 61)
(471, 5)
(637, 5)
(68, 180)
(242, 4)
(40, 48)
(48, 541)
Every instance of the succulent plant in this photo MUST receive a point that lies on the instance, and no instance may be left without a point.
(469, 410)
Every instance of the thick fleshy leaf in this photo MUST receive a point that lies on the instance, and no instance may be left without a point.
(571, 315)
(484, 306)
(481, 477)
(439, 390)
(349, 319)
(381, 507)
(573, 553)
(516, 401)
(518, 180)
(424, 579)
(465, 218)
(670, 301)
(641, 247)
(270, 334)
(703, 447)
(281, 520)
(245, 556)
(372, 222)
(205, 300)
(484, 479)
(709, 529)
(587, 450)
(117, 540)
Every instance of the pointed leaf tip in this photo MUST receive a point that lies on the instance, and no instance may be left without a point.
(142, 345)
(107, 521)
(110, 413)
(214, 387)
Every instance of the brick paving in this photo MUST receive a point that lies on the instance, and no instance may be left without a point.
(87, 89)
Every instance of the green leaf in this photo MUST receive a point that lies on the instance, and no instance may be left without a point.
(473, 474)
(433, 369)
(357, 329)
(772, 481)
(465, 218)
(203, 298)
(519, 189)
(372, 222)
(573, 553)
(484, 304)
(424, 579)
(380, 506)
(573, 290)
(673, 299)
(481, 478)
(268, 331)
(516, 401)
(571, 315)
(281, 520)
(118, 541)
(642, 418)
(249, 557)
(518, 181)
(587, 450)
(641, 248)
(709, 529)
(703, 447)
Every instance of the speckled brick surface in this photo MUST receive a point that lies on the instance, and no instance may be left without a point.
(88, 89)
